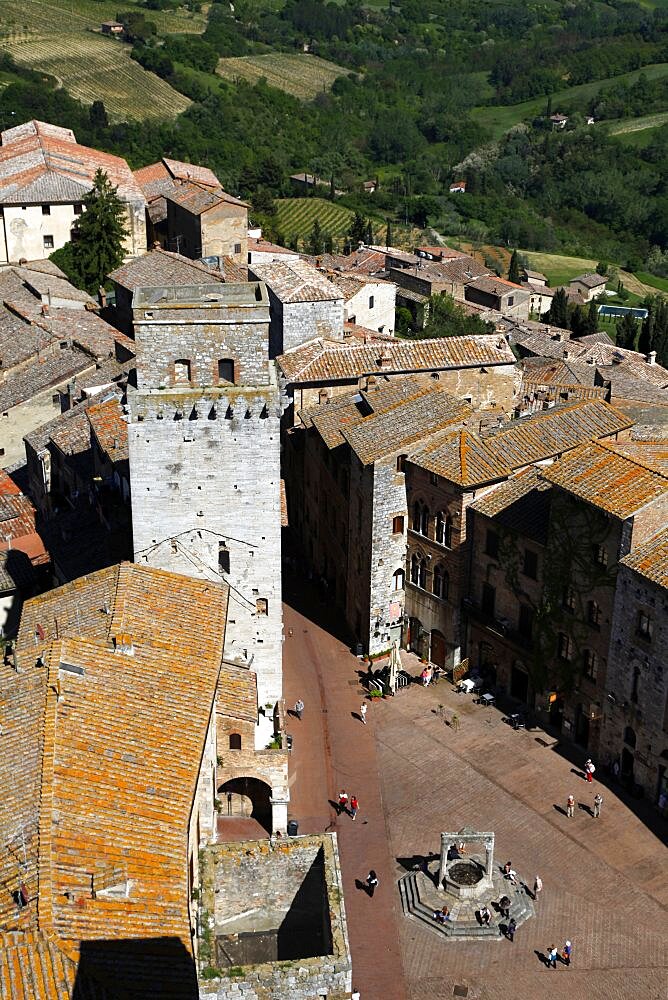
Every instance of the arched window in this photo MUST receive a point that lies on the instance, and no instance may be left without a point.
(398, 578)
(423, 574)
(629, 737)
(441, 583)
(226, 370)
(415, 570)
(424, 521)
(416, 516)
(440, 527)
(182, 372)
(235, 741)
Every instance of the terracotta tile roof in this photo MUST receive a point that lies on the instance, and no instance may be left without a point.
(264, 246)
(534, 274)
(43, 373)
(468, 460)
(17, 523)
(328, 360)
(607, 479)
(296, 281)
(39, 438)
(495, 285)
(236, 694)
(234, 272)
(103, 750)
(430, 409)
(199, 198)
(52, 285)
(461, 458)
(110, 429)
(590, 280)
(650, 559)
(160, 267)
(649, 452)
(521, 504)
(551, 371)
(191, 172)
(40, 162)
(16, 573)
(32, 967)
(553, 432)
(351, 282)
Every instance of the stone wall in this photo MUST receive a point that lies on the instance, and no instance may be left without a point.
(388, 555)
(635, 715)
(303, 321)
(205, 461)
(250, 889)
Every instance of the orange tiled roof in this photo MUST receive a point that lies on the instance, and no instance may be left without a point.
(605, 478)
(236, 695)
(39, 161)
(650, 559)
(461, 457)
(111, 431)
(101, 753)
(329, 360)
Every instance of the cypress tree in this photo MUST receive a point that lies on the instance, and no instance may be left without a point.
(559, 309)
(514, 269)
(98, 235)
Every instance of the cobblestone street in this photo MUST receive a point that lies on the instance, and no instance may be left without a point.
(605, 881)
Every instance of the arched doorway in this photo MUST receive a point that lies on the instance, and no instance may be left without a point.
(438, 650)
(581, 726)
(246, 798)
(627, 766)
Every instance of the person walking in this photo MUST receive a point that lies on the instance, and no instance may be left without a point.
(299, 708)
(589, 770)
(570, 805)
(363, 711)
(598, 802)
(512, 927)
(552, 956)
(372, 883)
(343, 801)
(354, 806)
(504, 907)
(537, 886)
(485, 916)
(566, 953)
(454, 722)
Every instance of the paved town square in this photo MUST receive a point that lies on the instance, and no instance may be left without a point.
(605, 881)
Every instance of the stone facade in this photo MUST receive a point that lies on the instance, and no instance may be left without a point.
(203, 442)
(437, 566)
(272, 919)
(635, 713)
(220, 231)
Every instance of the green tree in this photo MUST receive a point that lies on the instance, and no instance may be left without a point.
(316, 241)
(591, 322)
(358, 230)
(627, 331)
(514, 269)
(98, 235)
(388, 235)
(558, 311)
(98, 115)
(447, 319)
(602, 268)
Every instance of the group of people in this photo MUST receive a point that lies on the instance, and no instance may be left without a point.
(554, 955)
(589, 770)
(349, 806)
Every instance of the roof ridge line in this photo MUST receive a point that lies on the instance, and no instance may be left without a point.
(629, 458)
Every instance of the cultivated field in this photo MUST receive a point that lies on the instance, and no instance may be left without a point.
(296, 218)
(500, 118)
(304, 76)
(79, 15)
(51, 39)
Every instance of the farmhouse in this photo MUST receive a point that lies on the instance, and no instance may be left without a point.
(44, 177)
(458, 187)
(111, 28)
(588, 286)
(495, 293)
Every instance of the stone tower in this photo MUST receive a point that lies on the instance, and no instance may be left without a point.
(205, 457)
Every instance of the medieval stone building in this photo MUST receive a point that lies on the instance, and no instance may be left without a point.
(204, 458)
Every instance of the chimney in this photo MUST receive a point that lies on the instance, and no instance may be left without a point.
(123, 644)
(651, 358)
(45, 309)
(102, 297)
(323, 396)
(384, 359)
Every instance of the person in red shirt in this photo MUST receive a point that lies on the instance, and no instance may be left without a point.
(354, 806)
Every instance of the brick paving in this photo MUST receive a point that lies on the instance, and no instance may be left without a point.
(605, 881)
